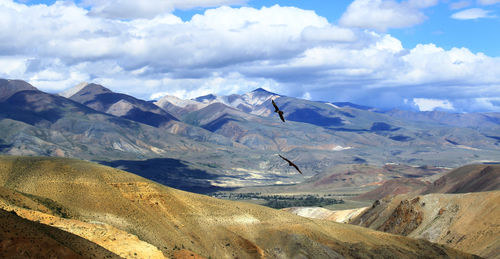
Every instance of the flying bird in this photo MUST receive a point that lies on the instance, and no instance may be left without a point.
(290, 163)
(276, 109)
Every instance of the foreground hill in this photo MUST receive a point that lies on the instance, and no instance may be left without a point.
(21, 238)
(460, 209)
(77, 193)
(469, 222)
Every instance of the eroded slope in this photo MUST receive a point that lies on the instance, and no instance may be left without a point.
(174, 220)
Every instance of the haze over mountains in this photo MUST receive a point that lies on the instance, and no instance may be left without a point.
(232, 141)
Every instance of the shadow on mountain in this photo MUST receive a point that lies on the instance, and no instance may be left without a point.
(401, 138)
(149, 118)
(382, 126)
(313, 117)
(170, 172)
(217, 124)
(32, 107)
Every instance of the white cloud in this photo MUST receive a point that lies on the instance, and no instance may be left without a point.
(488, 2)
(384, 14)
(460, 4)
(306, 96)
(472, 13)
(233, 50)
(432, 104)
(132, 9)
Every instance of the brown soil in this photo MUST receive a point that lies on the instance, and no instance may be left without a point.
(394, 187)
(470, 178)
(469, 222)
(21, 238)
(173, 220)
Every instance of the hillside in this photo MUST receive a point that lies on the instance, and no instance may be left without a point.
(21, 238)
(395, 187)
(467, 221)
(341, 216)
(470, 178)
(69, 192)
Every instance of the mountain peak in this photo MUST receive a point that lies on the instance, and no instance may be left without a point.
(84, 86)
(262, 90)
(73, 90)
(9, 87)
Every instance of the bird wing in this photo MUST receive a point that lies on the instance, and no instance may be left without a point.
(296, 167)
(281, 116)
(275, 106)
(291, 163)
(285, 159)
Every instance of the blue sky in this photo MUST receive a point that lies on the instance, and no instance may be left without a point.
(412, 54)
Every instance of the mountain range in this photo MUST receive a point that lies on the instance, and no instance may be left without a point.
(233, 141)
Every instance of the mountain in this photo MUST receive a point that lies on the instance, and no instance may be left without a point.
(467, 221)
(37, 123)
(178, 107)
(463, 120)
(134, 217)
(233, 139)
(104, 100)
(10, 87)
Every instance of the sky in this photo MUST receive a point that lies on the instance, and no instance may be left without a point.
(408, 54)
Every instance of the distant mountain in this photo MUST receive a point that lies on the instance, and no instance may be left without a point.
(37, 123)
(462, 120)
(234, 137)
(104, 100)
(10, 87)
(353, 105)
(135, 217)
(179, 107)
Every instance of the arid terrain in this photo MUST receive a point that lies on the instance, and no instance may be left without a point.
(123, 212)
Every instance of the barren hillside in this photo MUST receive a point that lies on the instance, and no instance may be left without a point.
(469, 222)
(178, 222)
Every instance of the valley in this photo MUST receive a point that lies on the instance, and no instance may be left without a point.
(102, 166)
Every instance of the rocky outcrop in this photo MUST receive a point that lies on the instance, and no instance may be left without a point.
(468, 222)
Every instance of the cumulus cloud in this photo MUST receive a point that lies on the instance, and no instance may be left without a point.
(132, 9)
(472, 14)
(229, 50)
(432, 104)
(384, 14)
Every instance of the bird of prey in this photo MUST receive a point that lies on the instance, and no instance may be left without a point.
(290, 163)
(276, 109)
